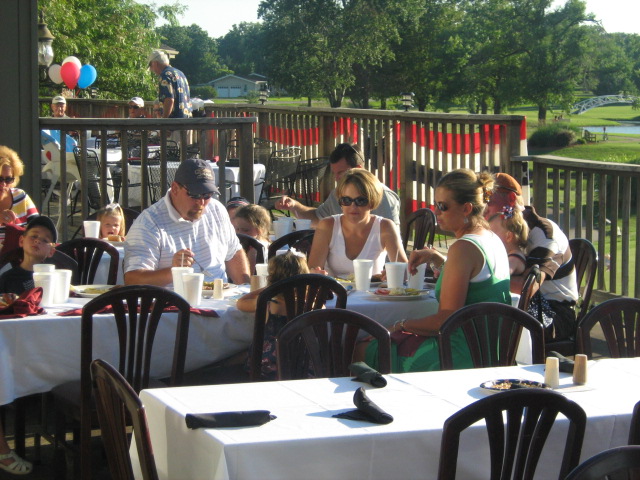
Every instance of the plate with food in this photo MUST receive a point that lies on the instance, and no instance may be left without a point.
(207, 289)
(400, 293)
(90, 291)
(502, 385)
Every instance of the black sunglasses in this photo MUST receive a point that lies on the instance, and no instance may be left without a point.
(443, 207)
(359, 201)
(7, 179)
(135, 107)
(200, 196)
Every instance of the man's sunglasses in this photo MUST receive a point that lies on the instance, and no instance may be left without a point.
(7, 180)
(135, 107)
(200, 196)
(359, 201)
(443, 207)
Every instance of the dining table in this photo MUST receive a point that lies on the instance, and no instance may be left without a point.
(306, 441)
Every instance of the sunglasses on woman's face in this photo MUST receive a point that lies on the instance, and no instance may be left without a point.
(443, 207)
(7, 180)
(359, 201)
(134, 107)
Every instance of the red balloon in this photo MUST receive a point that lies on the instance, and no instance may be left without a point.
(70, 72)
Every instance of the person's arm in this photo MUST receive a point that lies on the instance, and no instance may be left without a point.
(249, 301)
(167, 105)
(390, 239)
(162, 276)
(238, 268)
(425, 255)
(299, 210)
(320, 246)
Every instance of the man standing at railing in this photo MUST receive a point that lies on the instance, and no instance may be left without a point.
(345, 157)
(173, 90)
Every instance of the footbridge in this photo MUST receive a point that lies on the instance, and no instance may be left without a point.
(601, 101)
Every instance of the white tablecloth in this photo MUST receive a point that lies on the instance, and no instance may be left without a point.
(306, 442)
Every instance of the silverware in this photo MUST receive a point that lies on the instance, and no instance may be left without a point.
(202, 269)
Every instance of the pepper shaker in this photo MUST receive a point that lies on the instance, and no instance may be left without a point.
(552, 372)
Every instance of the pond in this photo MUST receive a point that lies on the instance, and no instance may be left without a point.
(631, 128)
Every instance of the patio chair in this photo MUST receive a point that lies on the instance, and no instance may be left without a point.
(88, 252)
(422, 223)
(323, 341)
(138, 311)
(308, 179)
(118, 405)
(634, 431)
(515, 446)
(250, 244)
(279, 176)
(94, 189)
(619, 463)
(157, 188)
(619, 319)
(492, 331)
(533, 278)
(301, 293)
(301, 240)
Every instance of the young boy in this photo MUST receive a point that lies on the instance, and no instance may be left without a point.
(37, 241)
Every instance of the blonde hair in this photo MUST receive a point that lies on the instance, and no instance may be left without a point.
(285, 266)
(10, 158)
(514, 222)
(257, 216)
(113, 210)
(366, 183)
(470, 187)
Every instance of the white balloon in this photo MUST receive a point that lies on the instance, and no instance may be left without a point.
(54, 73)
(72, 59)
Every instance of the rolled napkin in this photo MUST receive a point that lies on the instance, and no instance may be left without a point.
(367, 410)
(27, 303)
(364, 373)
(228, 419)
(565, 364)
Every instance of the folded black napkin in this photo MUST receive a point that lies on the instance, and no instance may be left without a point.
(228, 419)
(367, 410)
(564, 364)
(364, 373)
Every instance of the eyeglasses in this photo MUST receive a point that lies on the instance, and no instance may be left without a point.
(443, 207)
(359, 201)
(200, 196)
(135, 107)
(7, 180)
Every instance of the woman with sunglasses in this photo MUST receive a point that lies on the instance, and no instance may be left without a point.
(356, 233)
(475, 270)
(16, 207)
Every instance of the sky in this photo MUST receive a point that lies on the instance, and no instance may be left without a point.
(218, 16)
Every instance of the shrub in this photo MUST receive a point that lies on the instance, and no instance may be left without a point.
(554, 135)
(205, 92)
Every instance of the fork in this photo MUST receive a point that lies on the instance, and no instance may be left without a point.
(202, 269)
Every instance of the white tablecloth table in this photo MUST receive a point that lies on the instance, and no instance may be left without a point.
(306, 442)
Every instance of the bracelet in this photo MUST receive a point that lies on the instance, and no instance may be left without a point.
(401, 324)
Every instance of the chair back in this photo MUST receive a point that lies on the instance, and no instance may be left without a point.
(585, 258)
(129, 216)
(492, 331)
(423, 223)
(94, 190)
(301, 240)
(515, 447)
(634, 431)
(262, 150)
(323, 341)
(533, 278)
(619, 319)
(156, 171)
(116, 403)
(619, 463)
(88, 252)
(249, 243)
(279, 175)
(308, 179)
(301, 293)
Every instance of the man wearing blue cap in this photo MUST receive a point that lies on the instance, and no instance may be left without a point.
(186, 228)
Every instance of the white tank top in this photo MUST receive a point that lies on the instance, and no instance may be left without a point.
(339, 265)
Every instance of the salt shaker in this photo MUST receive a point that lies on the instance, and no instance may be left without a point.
(580, 369)
(217, 289)
(552, 372)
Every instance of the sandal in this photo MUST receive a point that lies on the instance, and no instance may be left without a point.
(19, 466)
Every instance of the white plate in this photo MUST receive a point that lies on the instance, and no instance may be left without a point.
(505, 384)
(116, 244)
(94, 290)
(423, 294)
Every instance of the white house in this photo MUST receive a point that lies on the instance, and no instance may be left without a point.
(234, 86)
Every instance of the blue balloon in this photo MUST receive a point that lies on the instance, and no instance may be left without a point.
(88, 75)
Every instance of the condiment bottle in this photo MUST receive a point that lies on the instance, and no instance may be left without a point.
(580, 369)
(552, 372)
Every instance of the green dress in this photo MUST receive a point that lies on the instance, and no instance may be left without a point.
(426, 356)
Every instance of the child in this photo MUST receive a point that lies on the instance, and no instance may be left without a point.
(513, 230)
(112, 225)
(255, 221)
(234, 204)
(38, 242)
(280, 267)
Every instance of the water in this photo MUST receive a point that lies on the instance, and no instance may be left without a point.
(628, 128)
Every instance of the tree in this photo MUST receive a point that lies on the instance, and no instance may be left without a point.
(242, 49)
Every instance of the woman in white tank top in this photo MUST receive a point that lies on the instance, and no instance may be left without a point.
(356, 233)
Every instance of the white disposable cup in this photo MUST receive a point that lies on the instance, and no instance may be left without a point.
(176, 273)
(62, 285)
(262, 269)
(192, 285)
(218, 286)
(46, 280)
(91, 229)
(417, 281)
(44, 267)
(395, 274)
(302, 224)
(281, 228)
(363, 270)
(257, 281)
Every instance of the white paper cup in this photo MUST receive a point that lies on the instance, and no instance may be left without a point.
(91, 229)
(262, 269)
(281, 228)
(176, 273)
(62, 285)
(46, 280)
(417, 281)
(302, 224)
(218, 287)
(257, 281)
(192, 285)
(44, 267)
(363, 270)
(395, 274)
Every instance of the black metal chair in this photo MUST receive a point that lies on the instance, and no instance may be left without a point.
(423, 223)
(308, 179)
(515, 447)
(279, 176)
(616, 463)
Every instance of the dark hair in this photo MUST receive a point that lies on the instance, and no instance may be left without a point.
(350, 152)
